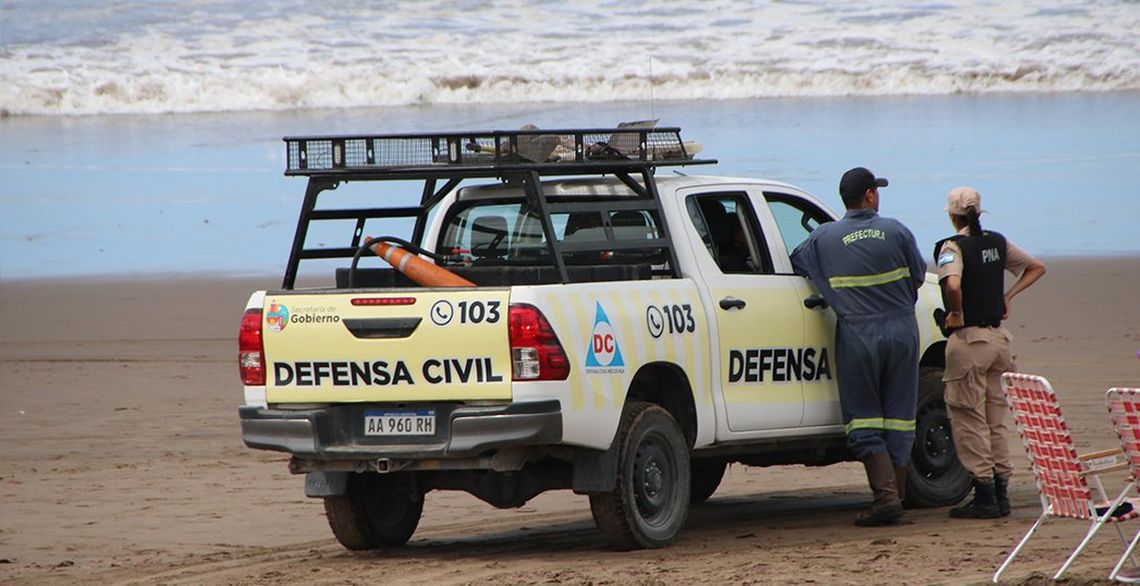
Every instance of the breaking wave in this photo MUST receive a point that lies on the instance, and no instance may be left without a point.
(206, 56)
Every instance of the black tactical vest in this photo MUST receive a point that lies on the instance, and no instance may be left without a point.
(983, 277)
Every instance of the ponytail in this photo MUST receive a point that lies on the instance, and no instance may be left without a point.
(968, 220)
(975, 226)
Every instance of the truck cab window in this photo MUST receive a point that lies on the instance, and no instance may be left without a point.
(732, 236)
(491, 234)
(511, 234)
(795, 217)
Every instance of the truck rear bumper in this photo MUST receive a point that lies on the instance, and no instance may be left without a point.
(337, 432)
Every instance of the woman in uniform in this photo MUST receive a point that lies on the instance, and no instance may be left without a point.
(971, 270)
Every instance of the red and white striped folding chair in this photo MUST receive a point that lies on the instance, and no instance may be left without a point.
(1124, 411)
(1065, 480)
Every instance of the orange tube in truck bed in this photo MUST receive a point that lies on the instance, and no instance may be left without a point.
(417, 269)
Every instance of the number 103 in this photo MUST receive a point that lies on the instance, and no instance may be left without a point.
(679, 318)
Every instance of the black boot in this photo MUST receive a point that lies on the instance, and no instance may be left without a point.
(886, 510)
(1001, 494)
(984, 505)
(900, 483)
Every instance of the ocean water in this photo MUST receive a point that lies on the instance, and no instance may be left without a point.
(145, 137)
(157, 56)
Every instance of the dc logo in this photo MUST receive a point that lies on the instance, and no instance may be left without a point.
(604, 343)
(604, 350)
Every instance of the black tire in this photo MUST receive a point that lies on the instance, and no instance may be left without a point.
(705, 479)
(375, 511)
(650, 501)
(936, 478)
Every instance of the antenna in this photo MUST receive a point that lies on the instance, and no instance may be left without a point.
(652, 115)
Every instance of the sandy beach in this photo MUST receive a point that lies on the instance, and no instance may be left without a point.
(124, 465)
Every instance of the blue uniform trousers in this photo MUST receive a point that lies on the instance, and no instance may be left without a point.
(877, 364)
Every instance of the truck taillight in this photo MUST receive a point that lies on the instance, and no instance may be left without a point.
(536, 353)
(251, 352)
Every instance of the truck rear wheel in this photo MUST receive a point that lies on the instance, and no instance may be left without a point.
(650, 501)
(936, 478)
(375, 511)
(705, 479)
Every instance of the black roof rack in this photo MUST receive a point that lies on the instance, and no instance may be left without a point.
(489, 153)
(630, 152)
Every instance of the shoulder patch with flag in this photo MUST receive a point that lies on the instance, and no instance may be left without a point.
(946, 258)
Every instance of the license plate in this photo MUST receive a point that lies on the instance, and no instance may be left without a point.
(391, 423)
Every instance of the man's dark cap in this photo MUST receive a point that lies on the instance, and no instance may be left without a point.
(857, 181)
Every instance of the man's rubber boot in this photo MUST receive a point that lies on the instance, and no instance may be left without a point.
(887, 509)
(984, 505)
(900, 483)
(1001, 494)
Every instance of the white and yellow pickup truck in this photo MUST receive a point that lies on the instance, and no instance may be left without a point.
(555, 316)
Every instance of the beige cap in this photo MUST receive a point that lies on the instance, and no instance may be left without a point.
(961, 200)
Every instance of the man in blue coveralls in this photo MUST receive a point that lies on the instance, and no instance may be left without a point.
(869, 269)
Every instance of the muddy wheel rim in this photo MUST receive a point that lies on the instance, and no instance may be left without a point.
(936, 454)
(654, 482)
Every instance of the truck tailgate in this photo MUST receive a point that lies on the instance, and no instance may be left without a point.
(436, 345)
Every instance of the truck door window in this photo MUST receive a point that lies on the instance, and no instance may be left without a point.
(795, 217)
(728, 227)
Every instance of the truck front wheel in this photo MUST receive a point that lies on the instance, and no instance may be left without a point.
(936, 477)
(376, 510)
(650, 501)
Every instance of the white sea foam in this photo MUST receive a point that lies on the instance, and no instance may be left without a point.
(208, 55)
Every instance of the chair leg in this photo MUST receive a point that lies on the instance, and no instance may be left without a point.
(1096, 525)
(1128, 489)
(1120, 531)
(1020, 545)
(1124, 558)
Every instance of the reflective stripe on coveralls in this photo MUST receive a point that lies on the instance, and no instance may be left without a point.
(869, 280)
(879, 423)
